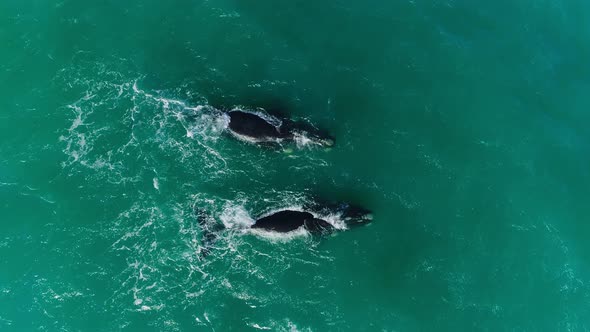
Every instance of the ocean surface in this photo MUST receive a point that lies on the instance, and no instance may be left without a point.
(463, 125)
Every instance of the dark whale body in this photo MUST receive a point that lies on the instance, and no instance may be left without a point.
(260, 130)
(286, 221)
(252, 125)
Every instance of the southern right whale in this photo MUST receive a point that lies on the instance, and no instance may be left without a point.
(266, 128)
(285, 221)
(288, 220)
(312, 218)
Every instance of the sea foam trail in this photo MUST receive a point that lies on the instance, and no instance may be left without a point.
(115, 123)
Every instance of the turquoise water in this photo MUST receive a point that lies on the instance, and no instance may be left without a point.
(462, 124)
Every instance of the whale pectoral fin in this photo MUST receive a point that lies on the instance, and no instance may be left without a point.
(318, 226)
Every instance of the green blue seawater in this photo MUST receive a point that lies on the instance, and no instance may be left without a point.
(463, 125)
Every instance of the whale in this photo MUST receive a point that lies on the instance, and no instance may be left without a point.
(312, 219)
(288, 220)
(285, 221)
(259, 127)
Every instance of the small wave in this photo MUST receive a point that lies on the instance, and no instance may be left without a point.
(258, 327)
(276, 237)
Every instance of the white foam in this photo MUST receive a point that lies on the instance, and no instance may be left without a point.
(334, 219)
(254, 140)
(256, 326)
(262, 114)
(300, 138)
(293, 207)
(277, 237)
(235, 216)
(303, 141)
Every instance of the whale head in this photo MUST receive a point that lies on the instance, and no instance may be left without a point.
(307, 138)
(353, 215)
(325, 141)
(304, 133)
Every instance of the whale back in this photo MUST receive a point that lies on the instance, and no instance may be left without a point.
(318, 226)
(283, 221)
(252, 125)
